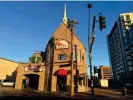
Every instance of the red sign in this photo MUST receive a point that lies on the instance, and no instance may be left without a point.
(59, 44)
(62, 44)
(33, 68)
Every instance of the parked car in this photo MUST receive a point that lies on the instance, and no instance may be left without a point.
(7, 83)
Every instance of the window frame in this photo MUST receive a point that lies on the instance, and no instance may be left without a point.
(128, 18)
(62, 57)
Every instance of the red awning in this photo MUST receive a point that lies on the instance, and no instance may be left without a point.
(61, 72)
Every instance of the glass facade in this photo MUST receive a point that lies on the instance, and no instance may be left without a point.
(115, 48)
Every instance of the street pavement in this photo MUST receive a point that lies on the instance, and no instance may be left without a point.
(27, 92)
(112, 94)
(100, 94)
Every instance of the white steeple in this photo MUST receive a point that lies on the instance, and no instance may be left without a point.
(65, 16)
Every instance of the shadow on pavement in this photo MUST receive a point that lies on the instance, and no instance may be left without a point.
(53, 98)
(43, 98)
(110, 93)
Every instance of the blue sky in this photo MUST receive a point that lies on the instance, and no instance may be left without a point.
(25, 27)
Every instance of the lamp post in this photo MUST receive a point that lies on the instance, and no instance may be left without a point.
(89, 6)
(89, 49)
(91, 38)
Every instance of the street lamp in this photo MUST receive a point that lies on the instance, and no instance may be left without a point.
(89, 55)
(91, 38)
(89, 6)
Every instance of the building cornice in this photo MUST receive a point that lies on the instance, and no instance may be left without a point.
(8, 60)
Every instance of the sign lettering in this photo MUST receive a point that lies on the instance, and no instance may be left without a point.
(62, 44)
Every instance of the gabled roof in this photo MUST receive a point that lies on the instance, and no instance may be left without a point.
(76, 37)
(68, 30)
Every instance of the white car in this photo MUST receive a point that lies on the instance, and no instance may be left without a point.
(7, 83)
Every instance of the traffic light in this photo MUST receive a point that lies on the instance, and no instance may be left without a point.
(102, 23)
(95, 69)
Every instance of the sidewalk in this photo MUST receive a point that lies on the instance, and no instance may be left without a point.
(128, 91)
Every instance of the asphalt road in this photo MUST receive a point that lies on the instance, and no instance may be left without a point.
(112, 94)
(5, 91)
(101, 94)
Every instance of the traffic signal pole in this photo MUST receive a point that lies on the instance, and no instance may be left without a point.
(91, 41)
(91, 38)
(89, 49)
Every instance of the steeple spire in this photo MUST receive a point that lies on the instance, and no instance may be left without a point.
(65, 16)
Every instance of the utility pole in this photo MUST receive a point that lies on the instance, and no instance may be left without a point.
(76, 79)
(71, 27)
(72, 78)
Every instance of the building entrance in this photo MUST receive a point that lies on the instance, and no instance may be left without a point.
(62, 83)
(31, 81)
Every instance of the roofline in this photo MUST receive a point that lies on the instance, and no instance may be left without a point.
(48, 43)
(112, 30)
(75, 35)
(126, 13)
(51, 37)
(8, 60)
(104, 66)
(70, 31)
